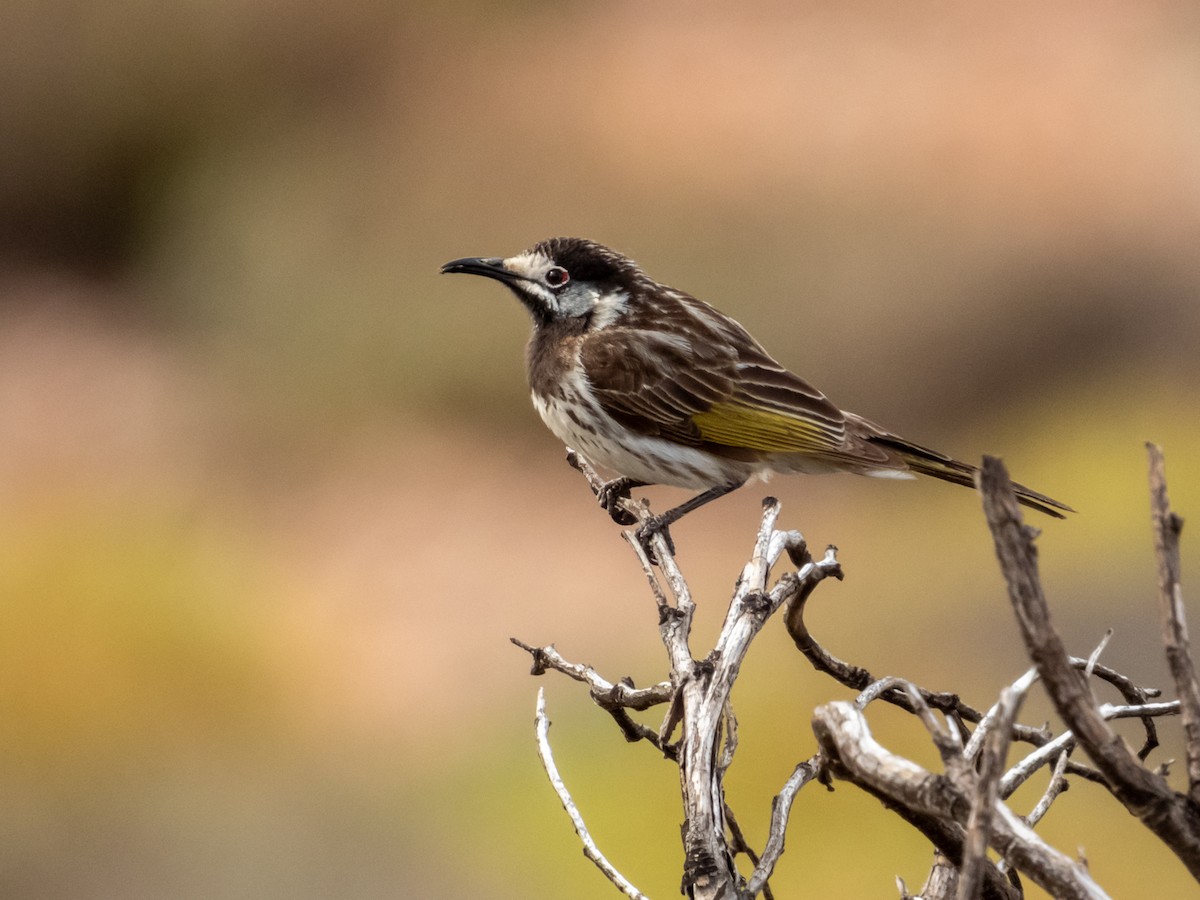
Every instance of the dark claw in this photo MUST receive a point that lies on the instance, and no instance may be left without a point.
(646, 532)
(610, 495)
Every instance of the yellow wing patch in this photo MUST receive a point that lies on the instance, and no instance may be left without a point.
(737, 425)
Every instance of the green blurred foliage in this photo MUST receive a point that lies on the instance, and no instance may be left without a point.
(121, 636)
(272, 497)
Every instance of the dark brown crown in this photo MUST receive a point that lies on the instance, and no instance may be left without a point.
(588, 261)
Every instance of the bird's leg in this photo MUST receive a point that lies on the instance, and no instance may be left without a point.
(658, 524)
(611, 492)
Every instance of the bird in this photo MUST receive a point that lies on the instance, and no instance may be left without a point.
(660, 388)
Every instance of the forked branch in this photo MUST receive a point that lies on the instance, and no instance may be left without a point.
(698, 688)
(963, 811)
(1146, 794)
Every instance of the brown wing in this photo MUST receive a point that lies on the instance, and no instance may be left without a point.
(653, 382)
(685, 372)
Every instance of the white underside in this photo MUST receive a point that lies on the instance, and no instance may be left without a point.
(636, 456)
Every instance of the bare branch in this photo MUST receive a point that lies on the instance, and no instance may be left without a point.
(922, 799)
(1133, 694)
(781, 809)
(1058, 784)
(674, 622)
(590, 850)
(1094, 659)
(946, 736)
(961, 811)
(1166, 708)
(1042, 756)
(739, 844)
(704, 705)
(1147, 795)
(622, 694)
(877, 689)
(936, 805)
(1054, 872)
(672, 719)
(731, 740)
(1065, 743)
(860, 679)
(614, 699)
(660, 599)
(1167, 526)
(995, 715)
(941, 883)
(983, 796)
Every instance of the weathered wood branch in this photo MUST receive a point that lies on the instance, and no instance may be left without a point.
(705, 689)
(590, 850)
(984, 792)
(1167, 526)
(961, 811)
(1171, 816)
(781, 810)
(698, 691)
(940, 808)
(614, 698)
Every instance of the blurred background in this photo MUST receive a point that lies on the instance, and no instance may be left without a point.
(273, 498)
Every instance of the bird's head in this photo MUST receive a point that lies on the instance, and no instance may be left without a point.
(563, 280)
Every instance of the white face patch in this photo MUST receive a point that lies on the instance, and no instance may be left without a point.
(533, 266)
(571, 299)
(609, 307)
(528, 264)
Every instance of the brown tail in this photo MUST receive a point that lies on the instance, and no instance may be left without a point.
(929, 462)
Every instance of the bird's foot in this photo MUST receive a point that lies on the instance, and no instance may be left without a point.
(645, 535)
(611, 494)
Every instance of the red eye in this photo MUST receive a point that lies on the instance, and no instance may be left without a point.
(556, 276)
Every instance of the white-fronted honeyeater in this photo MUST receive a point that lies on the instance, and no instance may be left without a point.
(661, 388)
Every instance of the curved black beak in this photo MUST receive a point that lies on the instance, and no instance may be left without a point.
(489, 267)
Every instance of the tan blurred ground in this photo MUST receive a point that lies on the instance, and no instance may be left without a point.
(272, 498)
